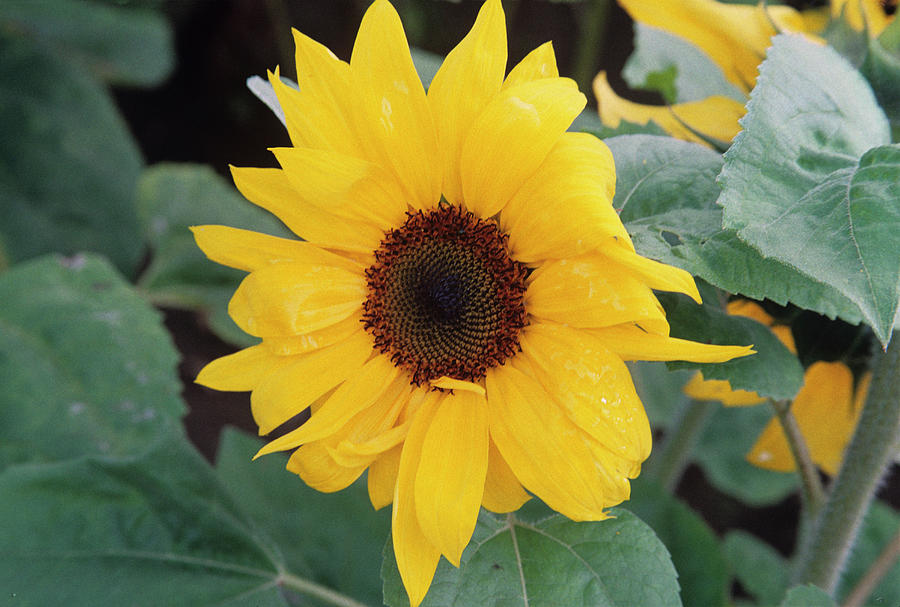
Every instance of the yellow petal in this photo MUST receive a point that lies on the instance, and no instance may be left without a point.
(590, 291)
(825, 415)
(502, 490)
(349, 187)
(565, 208)
(285, 345)
(591, 384)
(383, 477)
(394, 122)
(654, 274)
(511, 138)
(315, 466)
(539, 63)
(293, 298)
(469, 77)
(715, 117)
(749, 309)
(294, 387)
(317, 115)
(417, 557)
(630, 342)
(371, 431)
(241, 371)
(734, 36)
(271, 190)
(452, 469)
(448, 383)
(542, 446)
(248, 251)
(719, 390)
(862, 14)
(358, 392)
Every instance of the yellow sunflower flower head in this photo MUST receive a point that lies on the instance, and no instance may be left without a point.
(457, 314)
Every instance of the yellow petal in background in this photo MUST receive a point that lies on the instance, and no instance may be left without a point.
(719, 390)
(539, 63)
(502, 490)
(469, 77)
(589, 291)
(294, 387)
(295, 298)
(511, 138)
(394, 122)
(450, 477)
(826, 414)
(565, 208)
(862, 14)
(715, 117)
(734, 36)
(247, 250)
(271, 190)
(417, 557)
(630, 342)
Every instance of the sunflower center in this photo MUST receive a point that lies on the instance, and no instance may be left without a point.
(445, 298)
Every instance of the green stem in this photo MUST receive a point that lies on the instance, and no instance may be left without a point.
(675, 452)
(813, 494)
(592, 20)
(822, 557)
(309, 588)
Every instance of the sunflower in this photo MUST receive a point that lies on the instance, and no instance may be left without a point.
(826, 407)
(457, 314)
(735, 37)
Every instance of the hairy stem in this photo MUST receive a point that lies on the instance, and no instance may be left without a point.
(821, 559)
(813, 494)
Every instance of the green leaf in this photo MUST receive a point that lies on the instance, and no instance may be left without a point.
(117, 44)
(722, 449)
(659, 389)
(803, 184)
(666, 192)
(878, 529)
(335, 539)
(68, 165)
(691, 73)
(589, 121)
(773, 371)
(696, 551)
(806, 596)
(158, 529)
(172, 197)
(554, 562)
(759, 568)
(882, 69)
(85, 364)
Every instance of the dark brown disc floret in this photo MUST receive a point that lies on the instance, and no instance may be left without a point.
(445, 298)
